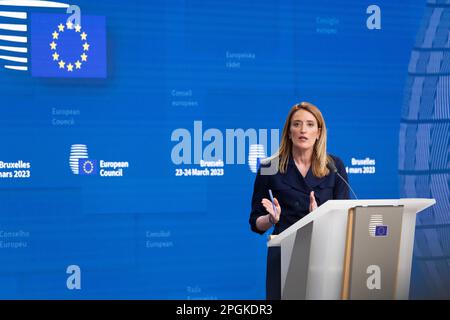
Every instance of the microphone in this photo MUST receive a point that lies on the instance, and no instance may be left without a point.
(332, 167)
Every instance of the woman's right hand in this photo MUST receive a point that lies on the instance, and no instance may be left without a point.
(274, 216)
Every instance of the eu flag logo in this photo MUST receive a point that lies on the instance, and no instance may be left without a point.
(63, 49)
(87, 167)
(381, 231)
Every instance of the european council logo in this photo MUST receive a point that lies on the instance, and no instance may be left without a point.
(255, 154)
(376, 226)
(52, 44)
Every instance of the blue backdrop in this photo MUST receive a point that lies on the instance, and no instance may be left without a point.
(101, 142)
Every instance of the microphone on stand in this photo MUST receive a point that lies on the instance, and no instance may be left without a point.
(333, 168)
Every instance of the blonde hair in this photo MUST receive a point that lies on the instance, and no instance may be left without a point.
(320, 158)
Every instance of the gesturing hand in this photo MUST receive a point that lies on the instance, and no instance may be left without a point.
(274, 216)
(312, 202)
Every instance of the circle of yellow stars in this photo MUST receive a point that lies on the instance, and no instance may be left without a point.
(53, 46)
(85, 166)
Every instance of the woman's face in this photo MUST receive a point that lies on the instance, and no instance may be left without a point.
(304, 130)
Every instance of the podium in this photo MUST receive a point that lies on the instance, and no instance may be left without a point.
(350, 249)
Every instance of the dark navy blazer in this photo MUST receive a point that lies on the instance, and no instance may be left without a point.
(292, 192)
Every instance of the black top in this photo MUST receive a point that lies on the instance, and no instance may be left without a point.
(292, 192)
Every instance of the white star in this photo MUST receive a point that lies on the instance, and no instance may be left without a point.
(86, 46)
(69, 25)
(83, 36)
(61, 27)
(61, 64)
(53, 45)
(77, 28)
(70, 67)
(84, 57)
(55, 35)
(55, 56)
(78, 65)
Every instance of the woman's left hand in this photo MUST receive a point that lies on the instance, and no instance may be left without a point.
(312, 202)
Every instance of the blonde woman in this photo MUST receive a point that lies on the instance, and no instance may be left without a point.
(303, 182)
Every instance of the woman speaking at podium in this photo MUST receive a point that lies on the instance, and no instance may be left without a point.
(302, 182)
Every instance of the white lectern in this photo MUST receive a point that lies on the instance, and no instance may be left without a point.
(350, 249)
